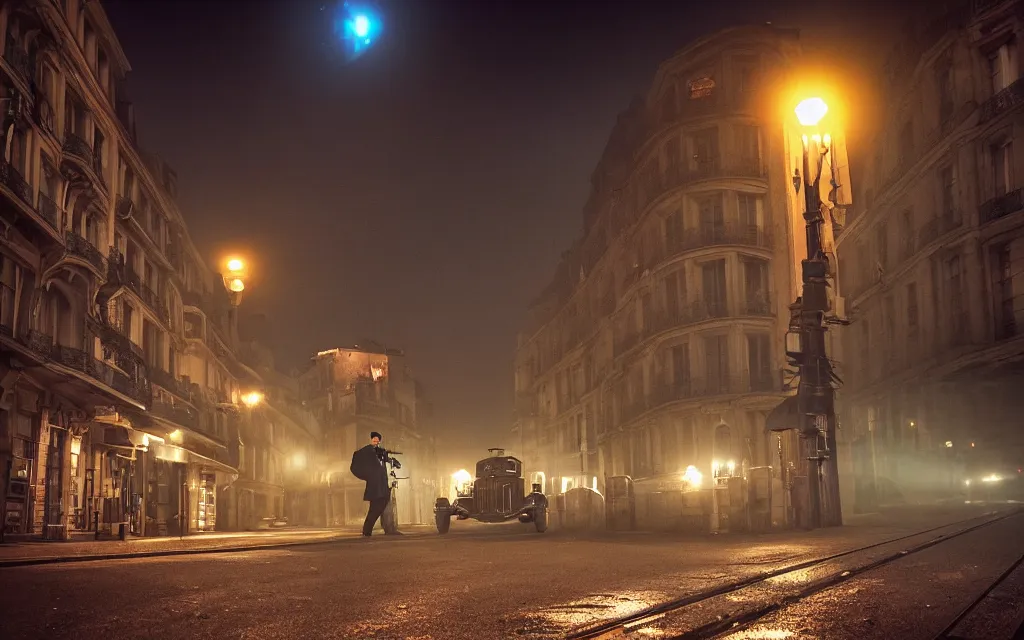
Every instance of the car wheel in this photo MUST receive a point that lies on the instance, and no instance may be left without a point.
(442, 515)
(540, 520)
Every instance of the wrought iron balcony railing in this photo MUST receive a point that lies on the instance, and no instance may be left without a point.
(176, 413)
(82, 248)
(1002, 102)
(51, 211)
(138, 389)
(693, 313)
(1000, 206)
(14, 181)
(76, 146)
(18, 59)
(172, 384)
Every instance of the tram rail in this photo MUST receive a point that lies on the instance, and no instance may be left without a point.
(621, 627)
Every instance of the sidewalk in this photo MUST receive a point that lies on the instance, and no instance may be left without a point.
(13, 554)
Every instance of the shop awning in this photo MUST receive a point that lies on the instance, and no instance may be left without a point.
(784, 417)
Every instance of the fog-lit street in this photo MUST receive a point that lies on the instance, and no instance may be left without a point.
(506, 581)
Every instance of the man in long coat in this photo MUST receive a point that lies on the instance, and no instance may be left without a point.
(369, 465)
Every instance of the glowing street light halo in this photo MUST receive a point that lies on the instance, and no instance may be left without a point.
(236, 265)
(810, 111)
(361, 26)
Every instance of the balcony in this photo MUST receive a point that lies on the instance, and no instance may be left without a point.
(758, 304)
(176, 413)
(764, 380)
(691, 314)
(114, 337)
(711, 236)
(13, 180)
(78, 149)
(79, 247)
(152, 299)
(689, 389)
(1000, 206)
(680, 176)
(51, 212)
(83, 362)
(1004, 101)
(18, 59)
(172, 384)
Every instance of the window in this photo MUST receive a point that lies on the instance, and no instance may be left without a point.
(128, 189)
(865, 348)
(755, 282)
(673, 155)
(680, 365)
(750, 218)
(674, 231)
(747, 74)
(705, 149)
(716, 356)
(882, 243)
(8, 290)
(954, 285)
(944, 82)
(747, 143)
(759, 361)
(19, 152)
(646, 311)
(906, 234)
(712, 219)
(889, 322)
(1002, 64)
(671, 286)
(714, 288)
(1002, 167)
(913, 320)
(1009, 283)
(947, 179)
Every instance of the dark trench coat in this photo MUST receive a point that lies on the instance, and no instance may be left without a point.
(369, 468)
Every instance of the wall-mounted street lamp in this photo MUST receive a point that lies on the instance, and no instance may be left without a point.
(252, 399)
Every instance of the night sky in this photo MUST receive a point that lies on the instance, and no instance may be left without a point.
(422, 194)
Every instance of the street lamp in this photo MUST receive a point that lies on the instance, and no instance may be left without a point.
(816, 395)
(235, 274)
(252, 399)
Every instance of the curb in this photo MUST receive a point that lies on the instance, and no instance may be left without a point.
(27, 562)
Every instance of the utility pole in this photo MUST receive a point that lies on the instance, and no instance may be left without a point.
(816, 395)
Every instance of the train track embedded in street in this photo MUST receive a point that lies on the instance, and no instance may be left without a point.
(947, 632)
(721, 625)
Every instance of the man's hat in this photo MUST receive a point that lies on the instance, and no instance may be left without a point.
(374, 434)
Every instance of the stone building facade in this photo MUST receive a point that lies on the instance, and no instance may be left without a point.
(933, 263)
(121, 381)
(355, 391)
(658, 344)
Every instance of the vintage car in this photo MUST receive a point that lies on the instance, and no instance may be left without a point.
(496, 495)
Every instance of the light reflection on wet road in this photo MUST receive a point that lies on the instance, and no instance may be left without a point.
(489, 582)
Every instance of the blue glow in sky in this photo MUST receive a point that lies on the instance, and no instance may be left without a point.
(357, 26)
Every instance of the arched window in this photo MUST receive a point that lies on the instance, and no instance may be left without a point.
(723, 443)
(58, 320)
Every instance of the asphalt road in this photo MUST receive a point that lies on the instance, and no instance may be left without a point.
(479, 582)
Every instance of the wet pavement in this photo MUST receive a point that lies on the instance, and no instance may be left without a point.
(85, 549)
(478, 582)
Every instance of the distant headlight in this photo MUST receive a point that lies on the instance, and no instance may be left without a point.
(992, 478)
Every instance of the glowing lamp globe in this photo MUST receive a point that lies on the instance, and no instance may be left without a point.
(235, 265)
(361, 26)
(810, 111)
(236, 285)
